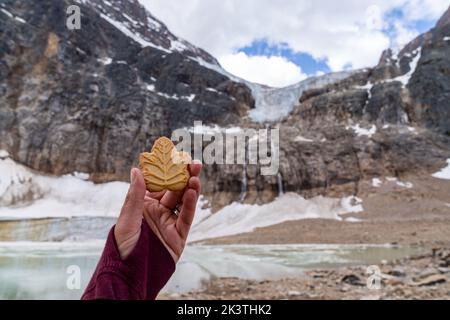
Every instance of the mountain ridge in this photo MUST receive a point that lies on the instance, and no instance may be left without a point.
(132, 18)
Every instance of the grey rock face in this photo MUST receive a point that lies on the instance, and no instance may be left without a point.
(91, 100)
(430, 84)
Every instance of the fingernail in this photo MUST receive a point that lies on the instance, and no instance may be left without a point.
(132, 176)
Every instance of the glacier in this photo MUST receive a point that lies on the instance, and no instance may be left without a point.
(273, 104)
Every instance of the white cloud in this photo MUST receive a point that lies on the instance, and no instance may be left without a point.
(403, 35)
(374, 18)
(346, 32)
(425, 9)
(273, 71)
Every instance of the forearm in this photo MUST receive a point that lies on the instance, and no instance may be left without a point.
(139, 277)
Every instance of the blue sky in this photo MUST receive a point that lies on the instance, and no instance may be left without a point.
(311, 66)
(281, 42)
(305, 61)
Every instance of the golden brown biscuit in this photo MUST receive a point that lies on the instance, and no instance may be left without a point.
(165, 168)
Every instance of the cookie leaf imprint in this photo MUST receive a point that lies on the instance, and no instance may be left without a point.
(165, 168)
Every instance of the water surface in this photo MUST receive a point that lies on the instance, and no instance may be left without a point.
(38, 270)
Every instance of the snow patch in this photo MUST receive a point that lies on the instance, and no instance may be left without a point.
(407, 185)
(240, 218)
(352, 219)
(9, 14)
(399, 183)
(352, 204)
(177, 46)
(302, 139)
(133, 35)
(134, 22)
(80, 51)
(27, 194)
(165, 95)
(361, 132)
(189, 98)
(20, 19)
(106, 61)
(404, 79)
(155, 25)
(443, 173)
(211, 130)
(4, 154)
(376, 182)
(367, 87)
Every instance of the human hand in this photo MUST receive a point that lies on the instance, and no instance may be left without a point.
(157, 210)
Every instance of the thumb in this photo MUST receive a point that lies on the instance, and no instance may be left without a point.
(133, 207)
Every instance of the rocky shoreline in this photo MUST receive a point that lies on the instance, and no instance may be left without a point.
(425, 276)
(407, 217)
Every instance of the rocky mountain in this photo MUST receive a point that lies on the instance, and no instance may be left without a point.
(343, 130)
(91, 100)
(390, 120)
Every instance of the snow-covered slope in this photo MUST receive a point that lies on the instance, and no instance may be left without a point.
(240, 218)
(132, 19)
(28, 194)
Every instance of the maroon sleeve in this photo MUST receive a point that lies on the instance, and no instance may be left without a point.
(139, 277)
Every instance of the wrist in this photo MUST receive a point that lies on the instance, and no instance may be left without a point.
(126, 243)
